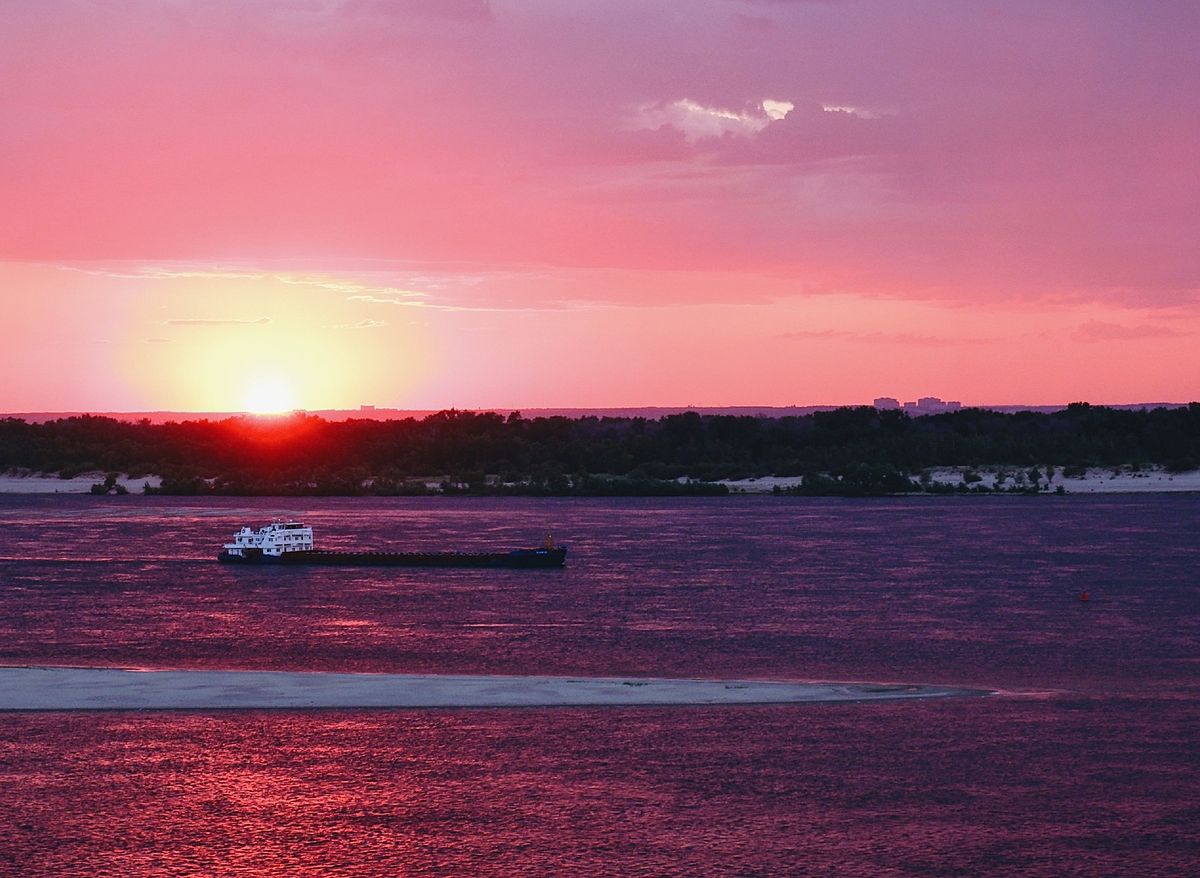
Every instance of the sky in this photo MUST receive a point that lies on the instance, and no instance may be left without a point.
(223, 206)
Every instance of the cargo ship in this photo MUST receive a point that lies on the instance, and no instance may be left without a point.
(291, 542)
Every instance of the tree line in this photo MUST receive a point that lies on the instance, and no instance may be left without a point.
(849, 450)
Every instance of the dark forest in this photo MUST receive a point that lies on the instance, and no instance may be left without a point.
(847, 451)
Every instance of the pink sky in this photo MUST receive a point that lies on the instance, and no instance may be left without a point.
(434, 203)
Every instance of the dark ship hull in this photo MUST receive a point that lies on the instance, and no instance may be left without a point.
(520, 558)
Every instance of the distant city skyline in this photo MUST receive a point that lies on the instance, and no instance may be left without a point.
(924, 405)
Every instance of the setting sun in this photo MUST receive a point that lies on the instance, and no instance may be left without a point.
(269, 396)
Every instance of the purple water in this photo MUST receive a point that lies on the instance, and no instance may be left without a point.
(1088, 765)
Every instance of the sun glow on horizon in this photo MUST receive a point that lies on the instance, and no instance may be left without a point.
(319, 350)
(269, 395)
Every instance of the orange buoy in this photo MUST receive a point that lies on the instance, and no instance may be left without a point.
(1083, 597)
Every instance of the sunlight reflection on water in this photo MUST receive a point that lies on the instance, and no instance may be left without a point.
(1086, 767)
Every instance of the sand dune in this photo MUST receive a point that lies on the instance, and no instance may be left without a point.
(119, 689)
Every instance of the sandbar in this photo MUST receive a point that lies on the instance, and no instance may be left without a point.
(45, 688)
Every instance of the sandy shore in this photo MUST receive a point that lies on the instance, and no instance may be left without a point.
(1097, 481)
(10, 484)
(1149, 480)
(119, 689)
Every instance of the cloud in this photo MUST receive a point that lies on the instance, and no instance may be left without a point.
(423, 302)
(1099, 331)
(696, 120)
(805, 334)
(362, 324)
(200, 321)
(885, 338)
(777, 110)
(158, 341)
(402, 297)
(860, 112)
(124, 270)
(907, 338)
(362, 291)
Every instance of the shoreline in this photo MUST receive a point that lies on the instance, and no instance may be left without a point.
(1098, 480)
(81, 484)
(59, 688)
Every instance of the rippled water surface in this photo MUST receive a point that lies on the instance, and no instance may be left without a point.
(1087, 764)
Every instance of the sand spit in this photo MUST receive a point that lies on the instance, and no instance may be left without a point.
(119, 689)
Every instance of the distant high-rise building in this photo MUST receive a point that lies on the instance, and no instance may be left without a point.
(886, 403)
(366, 408)
(931, 405)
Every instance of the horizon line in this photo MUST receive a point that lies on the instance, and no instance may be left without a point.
(581, 411)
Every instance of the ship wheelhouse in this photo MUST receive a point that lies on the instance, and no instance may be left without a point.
(273, 540)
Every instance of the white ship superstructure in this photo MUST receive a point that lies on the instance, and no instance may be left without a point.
(271, 541)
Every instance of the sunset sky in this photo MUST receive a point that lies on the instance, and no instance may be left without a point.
(215, 205)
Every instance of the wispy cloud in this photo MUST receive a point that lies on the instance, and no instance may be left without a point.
(204, 321)
(1098, 330)
(860, 112)
(401, 298)
(896, 338)
(341, 285)
(815, 334)
(421, 303)
(362, 324)
(125, 271)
